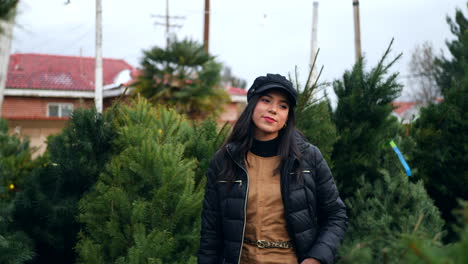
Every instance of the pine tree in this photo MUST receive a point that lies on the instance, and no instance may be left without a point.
(15, 166)
(202, 141)
(15, 162)
(183, 76)
(15, 246)
(440, 132)
(313, 114)
(424, 250)
(7, 9)
(47, 208)
(382, 213)
(362, 118)
(145, 207)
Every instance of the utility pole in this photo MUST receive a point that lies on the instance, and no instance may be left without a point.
(357, 30)
(313, 50)
(5, 46)
(206, 32)
(98, 74)
(167, 24)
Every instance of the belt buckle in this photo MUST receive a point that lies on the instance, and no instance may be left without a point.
(261, 243)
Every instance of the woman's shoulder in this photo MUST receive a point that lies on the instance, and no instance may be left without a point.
(218, 157)
(310, 152)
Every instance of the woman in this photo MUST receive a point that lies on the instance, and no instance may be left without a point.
(270, 196)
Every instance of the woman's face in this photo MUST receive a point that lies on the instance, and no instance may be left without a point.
(270, 115)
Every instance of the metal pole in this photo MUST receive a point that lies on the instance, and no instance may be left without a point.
(168, 25)
(5, 46)
(357, 30)
(98, 76)
(313, 50)
(206, 33)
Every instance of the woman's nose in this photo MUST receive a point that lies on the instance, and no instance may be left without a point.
(272, 109)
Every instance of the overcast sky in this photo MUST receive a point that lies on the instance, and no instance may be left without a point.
(252, 37)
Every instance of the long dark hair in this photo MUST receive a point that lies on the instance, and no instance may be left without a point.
(243, 134)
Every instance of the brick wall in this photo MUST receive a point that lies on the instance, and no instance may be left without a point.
(36, 107)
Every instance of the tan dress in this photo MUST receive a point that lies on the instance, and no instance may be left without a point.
(265, 214)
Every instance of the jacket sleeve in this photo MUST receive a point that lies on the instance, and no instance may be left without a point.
(331, 213)
(211, 241)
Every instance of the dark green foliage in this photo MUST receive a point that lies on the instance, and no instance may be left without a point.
(145, 207)
(15, 246)
(383, 212)
(7, 9)
(15, 166)
(441, 131)
(423, 250)
(451, 70)
(316, 124)
(362, 119)
(313, 114)
(183, 76)
(15, 162)
(47, 208)
(202, 142)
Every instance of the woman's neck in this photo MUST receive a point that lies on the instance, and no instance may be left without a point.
(267, 148)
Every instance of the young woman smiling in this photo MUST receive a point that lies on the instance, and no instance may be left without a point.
(270, 196)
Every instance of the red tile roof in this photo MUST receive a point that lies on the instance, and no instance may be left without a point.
(236, 91)
(401, 107)
(57, 72)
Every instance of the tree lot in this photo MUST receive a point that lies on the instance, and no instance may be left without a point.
(126, 186)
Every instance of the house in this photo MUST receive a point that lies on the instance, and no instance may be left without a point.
(42, 90)
(407, 112)
(236, 105)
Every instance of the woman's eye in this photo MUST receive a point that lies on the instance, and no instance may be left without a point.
(284, 106)
(265, 100)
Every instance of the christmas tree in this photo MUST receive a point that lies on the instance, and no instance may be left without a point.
(313, 114)
(382, 213)
(15, 165)
(47, 207)
(202, 141)
(145, 207)
(440, 132)
(362, 119)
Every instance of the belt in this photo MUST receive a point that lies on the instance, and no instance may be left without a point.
(269, 244)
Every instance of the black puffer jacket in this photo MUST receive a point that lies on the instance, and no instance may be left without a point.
(315, 214)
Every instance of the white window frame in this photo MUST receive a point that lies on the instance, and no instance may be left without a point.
(59, 108)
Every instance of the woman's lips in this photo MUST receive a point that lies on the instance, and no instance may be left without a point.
(269, 119)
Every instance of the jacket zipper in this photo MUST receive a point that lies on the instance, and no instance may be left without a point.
(245, 204)
(238, 181)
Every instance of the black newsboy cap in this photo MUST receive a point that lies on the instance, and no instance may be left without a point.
(273, 81)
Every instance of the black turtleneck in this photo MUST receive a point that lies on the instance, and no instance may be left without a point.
(265, 149)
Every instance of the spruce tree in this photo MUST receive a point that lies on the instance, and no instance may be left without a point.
(15, 166)
(47, 208)
(145, 207)
(202, 141)
(362, 118)
(313, 114)
(382, 213)
(7, 10)
(15, 162)
(441, 130)
(423, 250)
(15, 246)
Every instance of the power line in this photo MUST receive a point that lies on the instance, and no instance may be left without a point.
(167, 23)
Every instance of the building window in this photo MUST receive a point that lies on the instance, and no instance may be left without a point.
(59, 110)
